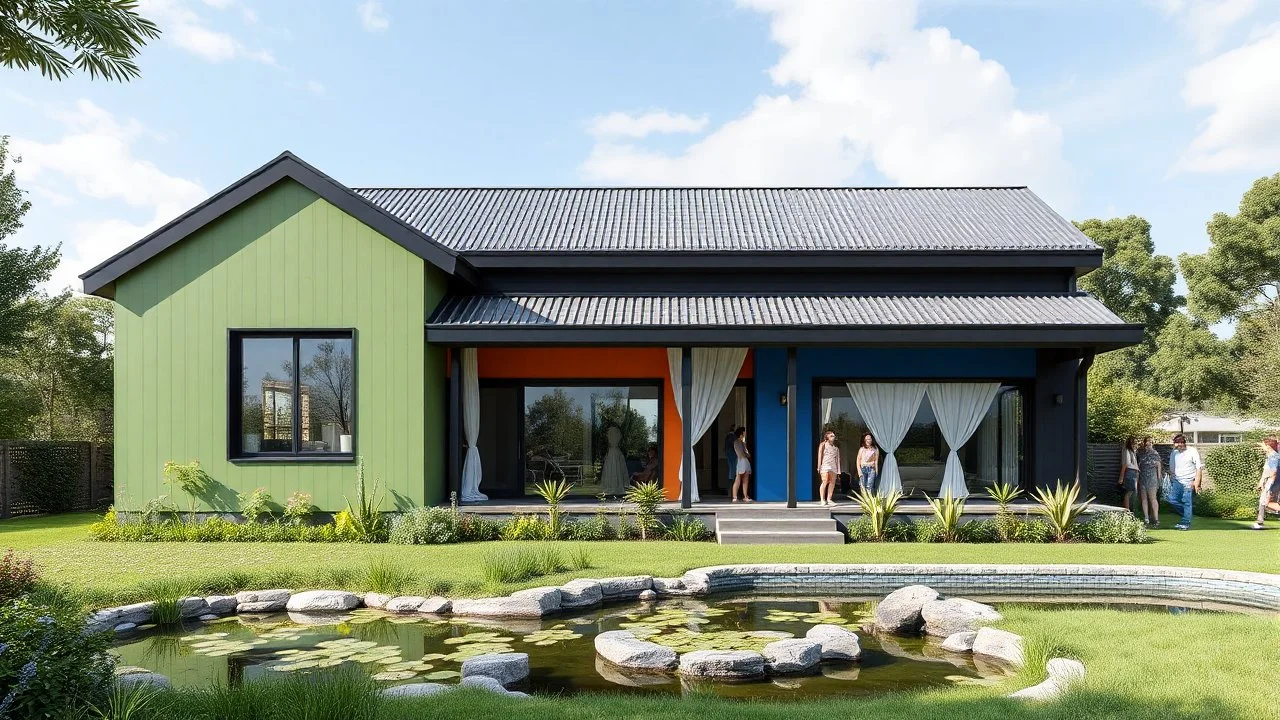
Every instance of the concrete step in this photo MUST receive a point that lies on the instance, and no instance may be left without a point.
(756, 537)
(766, 512)
(746, 524)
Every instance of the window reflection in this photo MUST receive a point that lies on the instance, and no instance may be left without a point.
(323, 391)
(326, 392)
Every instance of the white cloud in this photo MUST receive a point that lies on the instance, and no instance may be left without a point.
(1242, 89)
(372, 16)
(92, 167)
(1207, 21)
(639, 125)
(185, 28)
(859, 82)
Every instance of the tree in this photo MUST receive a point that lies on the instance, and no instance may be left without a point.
(613, 409)
(104, 36)
(1133, 282)
(1118, 409)
(1256, 344)
(554, 426)
(1193, 365)
(1240, 274)
(21, 270)
(330, 377)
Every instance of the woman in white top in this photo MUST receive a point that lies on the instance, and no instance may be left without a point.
(1129, 469)
(828, 467)
(744, 466)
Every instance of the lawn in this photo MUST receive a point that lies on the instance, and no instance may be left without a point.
(118, 572)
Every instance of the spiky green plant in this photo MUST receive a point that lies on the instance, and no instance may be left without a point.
(646, 496)
(554, 492)
(1059, 507)
(1004, 493)
(948, 511)
(366, 521)
(878, 510)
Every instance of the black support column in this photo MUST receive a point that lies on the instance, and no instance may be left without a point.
(455, 422)
(686, 428)
(791, 427)
(1082, 420)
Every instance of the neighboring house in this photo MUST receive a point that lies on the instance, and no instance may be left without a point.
(447, 336)
(1202, 429)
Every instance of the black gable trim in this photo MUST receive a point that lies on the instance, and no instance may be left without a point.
(100, 280)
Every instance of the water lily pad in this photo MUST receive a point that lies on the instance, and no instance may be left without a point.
(441, 675)
(550, 636)
(395, 675)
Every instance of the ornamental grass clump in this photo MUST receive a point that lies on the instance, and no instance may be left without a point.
(877, 510)
(686, 528)
(948, 511)
(554, 492)
(382, 575)
(1060, 509)
(364, 521)
(1004, 493)
(646, 496)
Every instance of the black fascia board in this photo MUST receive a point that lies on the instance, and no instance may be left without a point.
(1082, 261)
(1102, 337)
(100, 279)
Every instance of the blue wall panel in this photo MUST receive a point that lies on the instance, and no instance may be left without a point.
(850, 363)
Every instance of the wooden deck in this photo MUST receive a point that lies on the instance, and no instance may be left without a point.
(589, 506)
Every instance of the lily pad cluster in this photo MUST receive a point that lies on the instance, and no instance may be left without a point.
(219, 644)
(552, 635)
(820, 617)
(683, 640)
(476, 644)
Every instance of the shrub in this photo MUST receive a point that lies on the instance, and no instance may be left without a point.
(154, 508)
(188, 478)
(1033, 531)
(1232, 506)
(524, 527)
(298, 508)
(878, 509)
(1235, 469)
(1059, 507)
(948, 511)
(49, 666)
(424, 526)
(553, 493)
(475, 528)
(686, 528)
(597, 527)
(646, 496)
(1111, 527)
(979, 531)
(900, 531)
(17, 576)
(48, 475)
(255, 504)
(927, 531)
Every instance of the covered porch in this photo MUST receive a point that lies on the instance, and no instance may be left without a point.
(1006, 374)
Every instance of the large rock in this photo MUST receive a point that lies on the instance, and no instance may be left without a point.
(108, 618)
(624, 649)
(731, 664)
(627, 677)
(506, 668)
(502, 607)
(899, 611)
(378, 601)
(485, 682)
(999, 644)
(322, 601)
(327, 617)
(786, 657)
(404, 604)
(261, 601)
(422, 689)
(837, 643)
(1062, 672)
(670, 587)
(548, 598)
(222, 604)
(192, 607)
(580, 594)
(125, 627)
(961, 642)
(945, 618)
(625, 588)
(435, 605)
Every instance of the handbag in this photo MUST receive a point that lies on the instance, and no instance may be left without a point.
(844, 483)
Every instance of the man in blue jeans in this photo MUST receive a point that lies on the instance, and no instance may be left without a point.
(1185, 470)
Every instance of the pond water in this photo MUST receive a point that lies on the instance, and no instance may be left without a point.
(562, 658)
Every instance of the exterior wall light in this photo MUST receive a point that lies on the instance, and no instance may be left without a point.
(782, 399)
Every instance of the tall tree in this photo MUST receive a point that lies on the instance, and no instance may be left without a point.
(1134, 282)
(21, 270)
(1194, 366)
(102, 37)
(1240, 274)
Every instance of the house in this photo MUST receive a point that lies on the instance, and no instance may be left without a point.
(480, 340)
(1202, 429)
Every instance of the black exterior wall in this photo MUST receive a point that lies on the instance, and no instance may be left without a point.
(1054, 420)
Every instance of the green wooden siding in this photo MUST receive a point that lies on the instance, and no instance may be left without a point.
(285, 259)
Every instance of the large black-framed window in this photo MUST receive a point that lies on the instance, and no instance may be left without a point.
(292, 395)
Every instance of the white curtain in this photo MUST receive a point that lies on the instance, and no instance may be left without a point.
(1010, 419)
(989, 452)
(826, 412)
(959, 408)
(471, 428)
(888, 409)
(715, 370)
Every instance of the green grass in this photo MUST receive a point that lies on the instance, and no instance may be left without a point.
(1141, 665)
(117, 572)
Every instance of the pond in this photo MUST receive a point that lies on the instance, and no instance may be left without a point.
(562, 658)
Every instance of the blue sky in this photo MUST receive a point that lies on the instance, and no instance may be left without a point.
(1167, 108)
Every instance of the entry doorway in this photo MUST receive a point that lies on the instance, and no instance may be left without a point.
(711, 453)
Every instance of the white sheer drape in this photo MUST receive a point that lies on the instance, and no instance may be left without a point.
(989, 452)
(827, 404)
(471, 473)
(1010, 423)
(959, 408)
(715, 370)
(888, 409)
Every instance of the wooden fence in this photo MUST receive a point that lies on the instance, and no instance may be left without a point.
(85, 467)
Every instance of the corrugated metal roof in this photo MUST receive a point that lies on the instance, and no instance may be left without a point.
(771, 311)
(731, 219)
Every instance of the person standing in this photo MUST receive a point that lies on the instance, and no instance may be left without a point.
(730, 457)
(868, 462)
(1186, 470)
(1267, 482)
(1149, 481)
(828, 467)
(1129, 470)
(743, 468)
